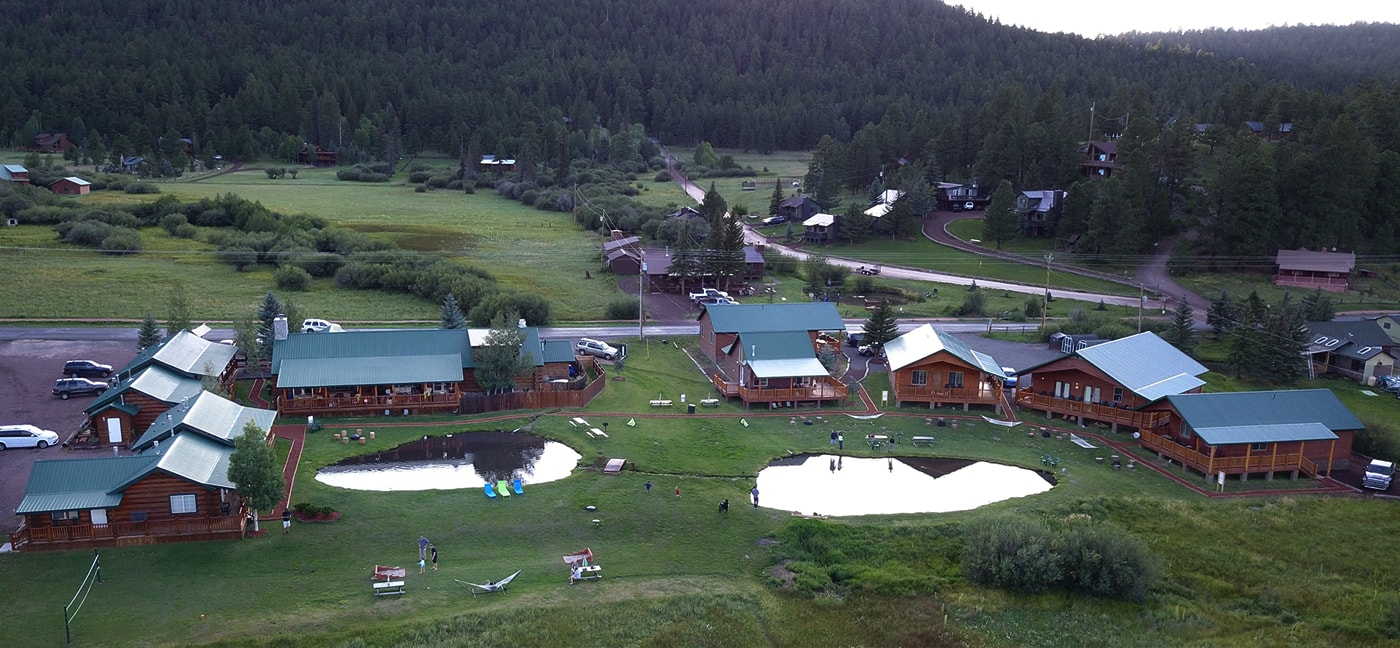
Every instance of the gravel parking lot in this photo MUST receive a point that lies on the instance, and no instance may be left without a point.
(27, 371)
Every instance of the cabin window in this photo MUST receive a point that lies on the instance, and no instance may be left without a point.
(303, 392)
(1117, 394)
(955, 379)
(919, 377)
(139, 516)
(184, 503)
(1258, 447)
(64, 517)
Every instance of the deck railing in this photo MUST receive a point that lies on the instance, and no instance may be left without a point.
(1105, 413)
(1255, 462)
(114, 533)
(824, 389)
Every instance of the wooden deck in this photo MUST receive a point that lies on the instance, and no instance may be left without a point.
(985, 395)
(1260, 462)
(366, 405)
(825, 389)
(1092, 411)
(122, 534)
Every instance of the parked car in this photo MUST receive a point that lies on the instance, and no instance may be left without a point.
(320, 326)
(86, 369)
(65, 387)
(26, 436)
(775, 220)
(1378, 474)
(708, 292)
(599, 348)
(866, 349)
(854, 339)
(1389, 383)
(1010, 377)
(710, 301)
(873, 270)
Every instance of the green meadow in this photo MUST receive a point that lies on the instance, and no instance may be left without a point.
(1272, 568)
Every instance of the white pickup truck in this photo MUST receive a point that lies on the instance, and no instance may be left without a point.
(709, 292)
(1378, 475)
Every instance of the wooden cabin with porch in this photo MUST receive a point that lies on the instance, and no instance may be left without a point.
(776, 369)
(185, 354)
(175, 492)
(206, 414)
(1298, 432)
(930, 366)
(121, 412)
(1111, 383)
(401, 372)
(1303, 268)
(721, 324)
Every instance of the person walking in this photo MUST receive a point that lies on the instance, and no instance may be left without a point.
(840, 442)
(433, 549)
(422, 565)
(754, 493)
(724, 506)
(423, 547)
(678, 491)
(648, 485)
(286, 521)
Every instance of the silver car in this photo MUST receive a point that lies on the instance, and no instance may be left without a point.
(26, 436)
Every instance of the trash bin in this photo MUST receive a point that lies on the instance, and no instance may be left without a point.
(690, 408)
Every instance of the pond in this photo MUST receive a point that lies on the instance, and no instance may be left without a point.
(843, 486)
(455, 461)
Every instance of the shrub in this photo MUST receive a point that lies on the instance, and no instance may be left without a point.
(185, 231)
(419, 177)
(1030, 556)
(86, 232)
(420, 189)
(122, 241)
(171, 222)
(290, 277)
(621, 309)
(974, 304)
(142, 188)
(215, 217)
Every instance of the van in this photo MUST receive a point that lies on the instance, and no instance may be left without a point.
(26, 436)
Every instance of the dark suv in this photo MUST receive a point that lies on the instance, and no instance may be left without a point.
(86, 369)
(65, 387)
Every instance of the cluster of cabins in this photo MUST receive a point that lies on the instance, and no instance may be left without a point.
(171, 482)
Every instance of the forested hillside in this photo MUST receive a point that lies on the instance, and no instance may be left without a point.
(235, 75)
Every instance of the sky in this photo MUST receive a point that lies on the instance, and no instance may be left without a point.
(1092, 19)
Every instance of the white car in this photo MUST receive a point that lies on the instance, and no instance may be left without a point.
(26, 436)
(320, 326)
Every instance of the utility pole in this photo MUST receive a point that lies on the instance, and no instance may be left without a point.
(1045, 304)
(641, 281)
(1142, 297)
(1091, 123)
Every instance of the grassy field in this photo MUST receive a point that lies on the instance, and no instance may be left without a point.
(1242, 572)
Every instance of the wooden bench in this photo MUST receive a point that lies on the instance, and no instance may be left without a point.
(710, 402)
(594, 433)
(926, 440)
(661, 403)
(388, 588)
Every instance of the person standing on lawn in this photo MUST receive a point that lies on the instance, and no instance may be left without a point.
(433, 549)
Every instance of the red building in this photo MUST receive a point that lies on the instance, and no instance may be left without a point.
(71, 186)
(930, 366)
(1303, 268)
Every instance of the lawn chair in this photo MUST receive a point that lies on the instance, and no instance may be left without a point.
(516, 486)
(503, 487)
(490, 492)
(489, 587)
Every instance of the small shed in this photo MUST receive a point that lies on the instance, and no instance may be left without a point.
(71, 186)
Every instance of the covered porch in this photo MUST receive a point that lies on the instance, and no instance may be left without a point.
(1072, 408)
(1274, 458)
(87, 535)
(362, 401)
(818, 390)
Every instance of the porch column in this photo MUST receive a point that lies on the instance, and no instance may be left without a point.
(1299, 465)
(1210, 465)
(1273, 461)
(1331, 450)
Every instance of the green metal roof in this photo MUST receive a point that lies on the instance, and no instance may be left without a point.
(1264, 408)
(925, 341)
(1146, 365)
(557, 351)
(752, 318)
(72, 484)
(780, 345)
(344, 351)
(1276, 433)
(154, 381)
(370, 370)
(208, 414)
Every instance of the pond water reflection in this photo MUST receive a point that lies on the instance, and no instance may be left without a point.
(842, 486)
(456, 461)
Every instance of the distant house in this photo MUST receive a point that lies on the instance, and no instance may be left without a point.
(317, 156)
(686, 212)
(623, 254)
(1355, 349)
(14, 173)
(952, 196)
(71, 186)
(1303, 268)
(767, 353)
(1039, 211)
(1069, 343)
(132, 164)
(1390, 325)
(497, 164)
(1306, 431)
(884, 203)
(1260, 129)
(1110, 382)
(819, 229)
(796, 209)
(1100, 160)
(660, 276)
(49, 143)
(930, 366)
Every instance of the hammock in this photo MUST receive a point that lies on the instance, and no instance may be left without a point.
(866, 417)
(1002, 423)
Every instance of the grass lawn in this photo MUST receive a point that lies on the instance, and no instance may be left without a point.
(1385, 295)
(1244, 572)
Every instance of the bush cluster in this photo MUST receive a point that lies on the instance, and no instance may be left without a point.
(622, 309)
(376, 172)
(1030, 556)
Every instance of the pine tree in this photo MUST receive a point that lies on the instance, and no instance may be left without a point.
(254, 471)
(999, 222)
(1318, 307)
(149, 334)
(1182, 335)
(775, 203)
(452, 317)
(881, 326)
(499, 361)
(178, 311)
(268, 311)
(1223, 314)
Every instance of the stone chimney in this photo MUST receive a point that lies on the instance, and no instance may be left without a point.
(279, 327)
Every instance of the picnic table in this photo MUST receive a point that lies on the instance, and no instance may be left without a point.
(661, 403)
(926, 440)
(388, 588)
